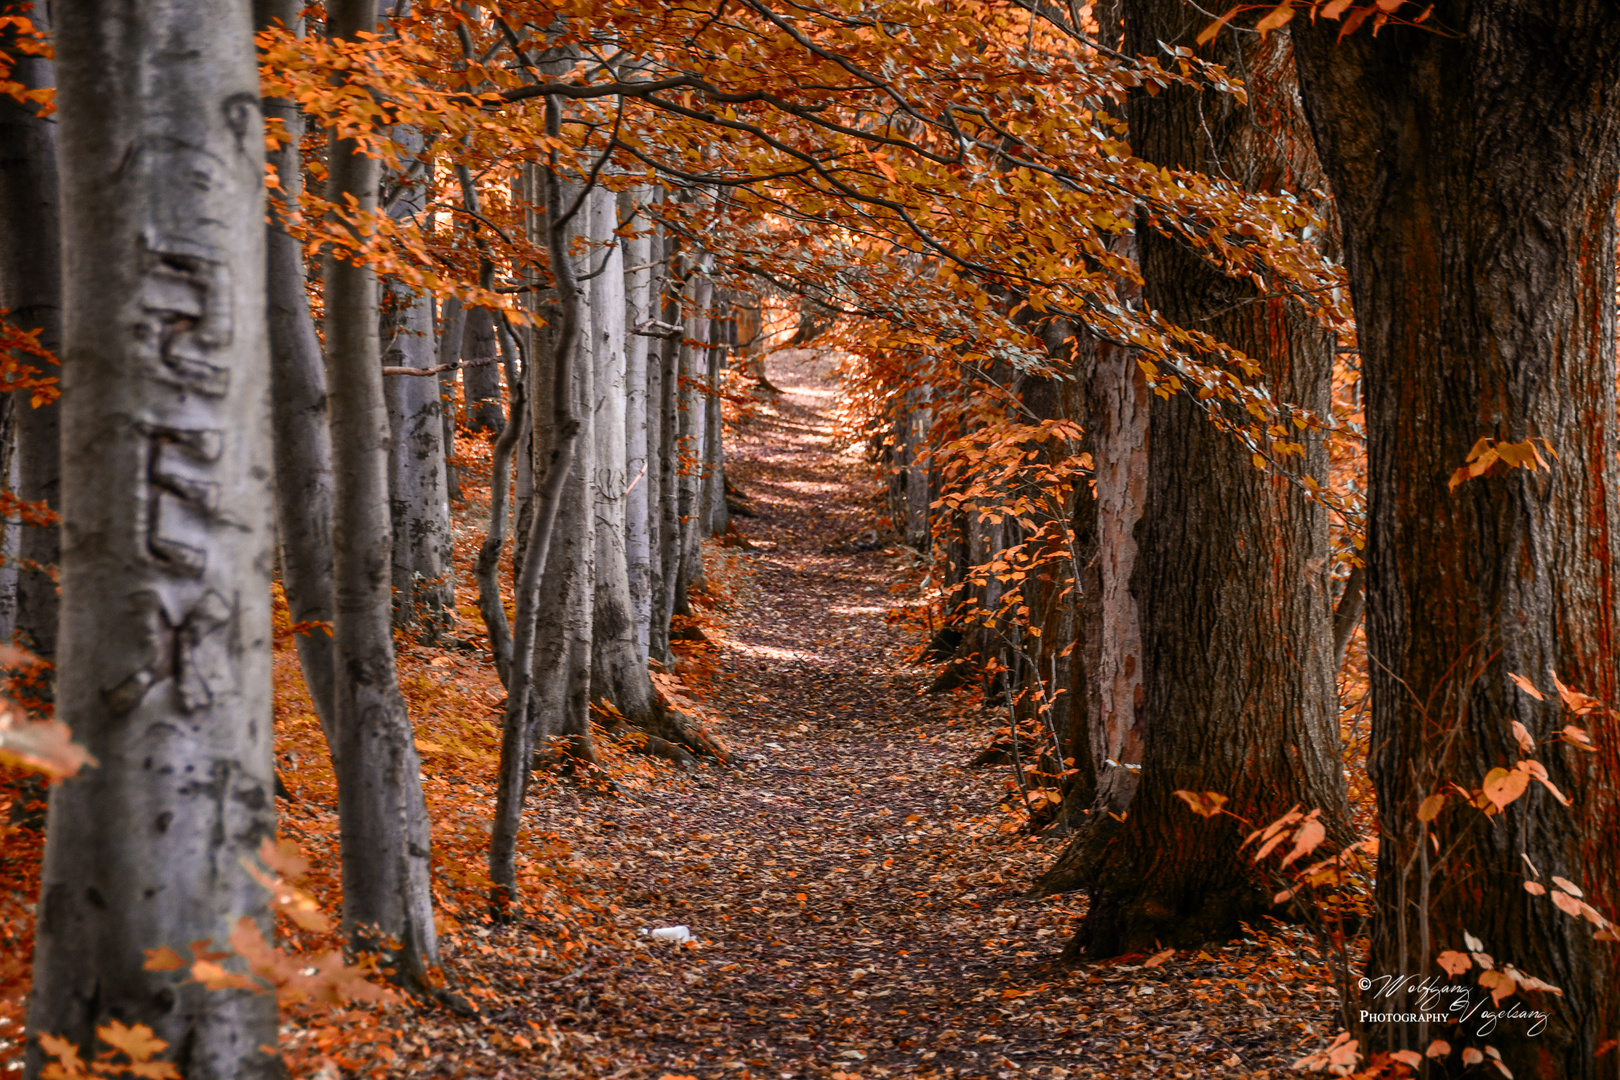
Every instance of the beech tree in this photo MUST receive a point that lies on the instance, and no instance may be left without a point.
(382, 816)
(1475, 163)
(303, 441)
(31, 293)
(164, 654)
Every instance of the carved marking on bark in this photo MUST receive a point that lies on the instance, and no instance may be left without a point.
(190, 649)
(179, 505)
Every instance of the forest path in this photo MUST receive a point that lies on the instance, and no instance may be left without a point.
(855, 910)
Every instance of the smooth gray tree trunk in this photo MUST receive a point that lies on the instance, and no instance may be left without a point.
(383, 822)
(164, 658)
(303, 440)
(638, 503)
(619, 670)
(697, 298)
(715, 516)
(554, 388)
(667, 557)
(31, 289)
(452, 328)
(423, 566)
(562, 658)
(482, 377)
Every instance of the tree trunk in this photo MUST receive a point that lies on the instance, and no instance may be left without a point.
(1236, 624)
(452, 329)
(164, 655)
(1475, 172)
(668, 551)
(638, 289)
(303, 441)
(560, 708)
(382, 816)
(490, 604)
(31, 290)
(482, 378)
(698, 297)
(618, 669)
(551, 380)
(715, 518)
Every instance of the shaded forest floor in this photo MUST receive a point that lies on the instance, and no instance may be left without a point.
(854, 892)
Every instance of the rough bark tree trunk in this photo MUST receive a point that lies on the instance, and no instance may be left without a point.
(164, 655)
(383, 823)
(1236, 632)
(1475, 172)
(715, 516)
(303, 440)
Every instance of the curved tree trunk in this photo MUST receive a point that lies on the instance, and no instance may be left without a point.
(164, 656)
(1475, 175)
(551, 378)
(303, 441)
(383, 820)
(1236, 629)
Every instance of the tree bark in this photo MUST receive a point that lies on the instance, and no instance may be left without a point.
(715, 517)
(164, 654)
(618, 669)
(452, 329)
(303, 440)
(383, 823)
(490, 604)
(1236, 625)
(698, 297)
(668, 551)
(31, 290)
(483, 382)
(552, 376)
(639, 311)
(1475, 172)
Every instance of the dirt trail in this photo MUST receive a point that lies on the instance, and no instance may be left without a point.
(855, 911)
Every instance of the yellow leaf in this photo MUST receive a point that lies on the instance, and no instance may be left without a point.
(1438, 1048)
(1158, 958)
(137, 1043)
(1524, 684)
(1429, 808)
(1502, 786)
(1205, 804)
(1275, 18)
(1453, 962)
(163, 958)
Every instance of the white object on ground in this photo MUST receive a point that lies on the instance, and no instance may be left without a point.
(677, 934)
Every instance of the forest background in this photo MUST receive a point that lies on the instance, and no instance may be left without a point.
(1182, 337)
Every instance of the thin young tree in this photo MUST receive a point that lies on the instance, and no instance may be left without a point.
(383, 823)
(164, 658)
(303, 440)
